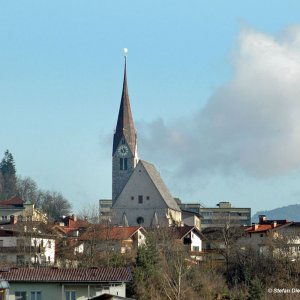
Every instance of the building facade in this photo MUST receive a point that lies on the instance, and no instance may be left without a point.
(221, 215)
(139, 195)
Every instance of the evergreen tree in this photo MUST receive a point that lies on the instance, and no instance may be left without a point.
(8, 171)
(255, 290)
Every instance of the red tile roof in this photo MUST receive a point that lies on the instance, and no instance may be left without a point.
(109, 233)
(14, 200)
(66, 275)
(263, 227)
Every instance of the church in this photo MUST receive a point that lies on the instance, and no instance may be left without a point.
(139, 195)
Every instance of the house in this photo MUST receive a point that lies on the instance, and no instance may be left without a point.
(26, 243)
(65, 284)
(191, 238)
(22, 211)
(69, 247)
(279, 237)
(117, 238)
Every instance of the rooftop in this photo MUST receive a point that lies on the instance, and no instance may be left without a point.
(66, 275)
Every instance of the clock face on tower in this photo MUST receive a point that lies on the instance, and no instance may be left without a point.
(123, 150)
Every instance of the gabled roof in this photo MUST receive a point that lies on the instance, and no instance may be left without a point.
(159, 184)
(102, 233)
(14, 200)
(66, 275)
(125, 125)
(182, 231)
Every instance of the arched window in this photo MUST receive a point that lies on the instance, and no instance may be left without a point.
(140, 220)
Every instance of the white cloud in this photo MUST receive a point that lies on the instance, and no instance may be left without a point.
(251, 124)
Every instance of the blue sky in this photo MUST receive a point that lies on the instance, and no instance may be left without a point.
(213, 88)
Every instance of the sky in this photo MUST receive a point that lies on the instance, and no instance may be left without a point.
(214, 90)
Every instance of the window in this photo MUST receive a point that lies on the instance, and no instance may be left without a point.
(70, 295)
(140, 199)
(148, 197)
(196, 248)
(1, 243)
(123, 164)
(261, 235)
(20, 260)
(20, 295)
(140, 220)
(36, 295)
(132, 198)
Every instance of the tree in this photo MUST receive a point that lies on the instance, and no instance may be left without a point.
(27, 189)
(89, 212)
(8, 171)
(1, 184)
(54, 204)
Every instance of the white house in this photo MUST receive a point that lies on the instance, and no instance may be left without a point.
(21, 244)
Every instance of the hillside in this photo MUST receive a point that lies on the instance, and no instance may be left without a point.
(290, 212)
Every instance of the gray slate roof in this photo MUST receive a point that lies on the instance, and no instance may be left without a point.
(160, 185)
(66, 275)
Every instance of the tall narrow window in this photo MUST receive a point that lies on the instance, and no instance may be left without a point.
(123, 164)
(140, 199)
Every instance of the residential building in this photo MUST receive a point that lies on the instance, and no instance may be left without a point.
(65, 284)
(191, 237)
(26, 244)
(118, 239)
(68, 246)
(218, 216)
(22, 211)
(280, 237)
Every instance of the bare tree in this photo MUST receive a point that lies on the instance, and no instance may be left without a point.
(27, 189)
(90, 213)
(54, 204)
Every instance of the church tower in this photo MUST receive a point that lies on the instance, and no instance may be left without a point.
(124, 154)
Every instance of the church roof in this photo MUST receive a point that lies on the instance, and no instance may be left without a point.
(160, 185)
(125, 125)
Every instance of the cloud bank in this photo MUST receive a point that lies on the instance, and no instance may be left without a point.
(252, 124)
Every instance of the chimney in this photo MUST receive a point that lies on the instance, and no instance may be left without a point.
(13, 219)
(254, 226)
(262, 219)
(274, 223)
(74, 218)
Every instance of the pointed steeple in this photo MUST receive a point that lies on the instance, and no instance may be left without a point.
(125, 126)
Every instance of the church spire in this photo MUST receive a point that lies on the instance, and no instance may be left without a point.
(125, 126)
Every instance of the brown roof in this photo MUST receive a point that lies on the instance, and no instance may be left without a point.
(182, 231)
(14, 200)
(125, 125)
(66, 275)
(100, 232)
